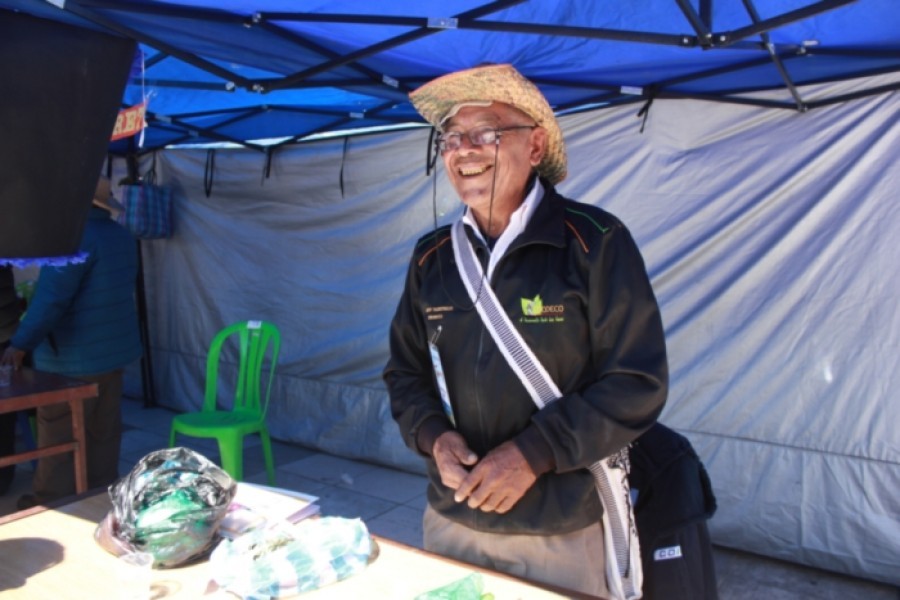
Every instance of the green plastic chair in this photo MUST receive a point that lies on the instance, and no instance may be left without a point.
(248, 414)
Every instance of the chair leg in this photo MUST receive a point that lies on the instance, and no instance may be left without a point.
(231, 452)
(267, 454)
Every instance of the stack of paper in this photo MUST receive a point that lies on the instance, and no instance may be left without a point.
(257, 506)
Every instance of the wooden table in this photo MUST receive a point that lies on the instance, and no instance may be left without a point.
(32, 389)
(52, 554)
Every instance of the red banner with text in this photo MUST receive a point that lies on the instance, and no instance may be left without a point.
(129, 121)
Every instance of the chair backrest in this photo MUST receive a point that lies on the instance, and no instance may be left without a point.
(255, 339)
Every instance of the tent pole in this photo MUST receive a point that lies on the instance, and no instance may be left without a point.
(697, 22)
(148, 387)
(75, 8)
(770, 48)
(884, 89)
(379, 47)
(727, 38)
(706, 13)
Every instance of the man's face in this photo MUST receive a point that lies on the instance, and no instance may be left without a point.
(472, 169)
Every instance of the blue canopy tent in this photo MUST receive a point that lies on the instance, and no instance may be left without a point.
(221, 71)
(750, 145)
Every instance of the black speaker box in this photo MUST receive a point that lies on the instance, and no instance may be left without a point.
(61, 88)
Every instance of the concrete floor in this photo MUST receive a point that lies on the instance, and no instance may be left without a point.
(391, 503)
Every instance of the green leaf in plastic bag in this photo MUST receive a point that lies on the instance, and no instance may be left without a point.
(467, 588)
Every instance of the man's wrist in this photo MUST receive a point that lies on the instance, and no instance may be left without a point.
(429, 431)
(537, 451)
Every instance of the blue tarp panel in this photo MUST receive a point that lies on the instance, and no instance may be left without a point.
(770, 239)
(216, 70)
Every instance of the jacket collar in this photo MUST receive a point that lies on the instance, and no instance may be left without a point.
(547, 224)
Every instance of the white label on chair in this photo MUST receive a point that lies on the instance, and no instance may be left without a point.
(254, 324)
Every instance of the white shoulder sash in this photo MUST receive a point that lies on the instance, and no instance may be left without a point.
(624, 574)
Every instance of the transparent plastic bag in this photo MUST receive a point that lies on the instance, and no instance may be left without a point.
(170, 505)
(285, 560)
(470, 587)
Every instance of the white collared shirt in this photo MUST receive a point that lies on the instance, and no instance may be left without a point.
(517, 222)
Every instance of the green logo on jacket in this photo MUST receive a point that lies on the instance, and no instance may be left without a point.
(533, 308)
(535, 311)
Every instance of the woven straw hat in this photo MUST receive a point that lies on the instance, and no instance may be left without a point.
(438, 99)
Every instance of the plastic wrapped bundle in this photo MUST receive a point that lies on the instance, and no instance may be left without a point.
(170, 505)
(282, 561)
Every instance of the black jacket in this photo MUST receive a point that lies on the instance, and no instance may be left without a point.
(576, 287)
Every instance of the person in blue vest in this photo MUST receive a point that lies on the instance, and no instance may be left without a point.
(83, 322)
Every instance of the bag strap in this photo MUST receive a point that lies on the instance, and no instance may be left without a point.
(624, 572)
(150, 176)
(518, 354)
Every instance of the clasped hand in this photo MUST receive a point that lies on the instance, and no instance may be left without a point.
(493, 484)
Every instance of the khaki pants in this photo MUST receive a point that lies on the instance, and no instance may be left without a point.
(574, 561)
(55, 475)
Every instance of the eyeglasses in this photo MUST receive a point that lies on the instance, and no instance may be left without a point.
(478, 136)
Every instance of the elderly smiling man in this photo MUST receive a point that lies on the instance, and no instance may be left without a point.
(527, 348)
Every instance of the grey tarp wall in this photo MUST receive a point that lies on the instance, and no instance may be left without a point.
(771, 240)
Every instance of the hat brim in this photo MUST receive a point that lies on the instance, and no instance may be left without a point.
(495, 83)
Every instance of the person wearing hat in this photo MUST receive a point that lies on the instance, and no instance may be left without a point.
(509, 485)
(82, 322)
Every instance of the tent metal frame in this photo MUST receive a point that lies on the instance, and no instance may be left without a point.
(698, 14)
